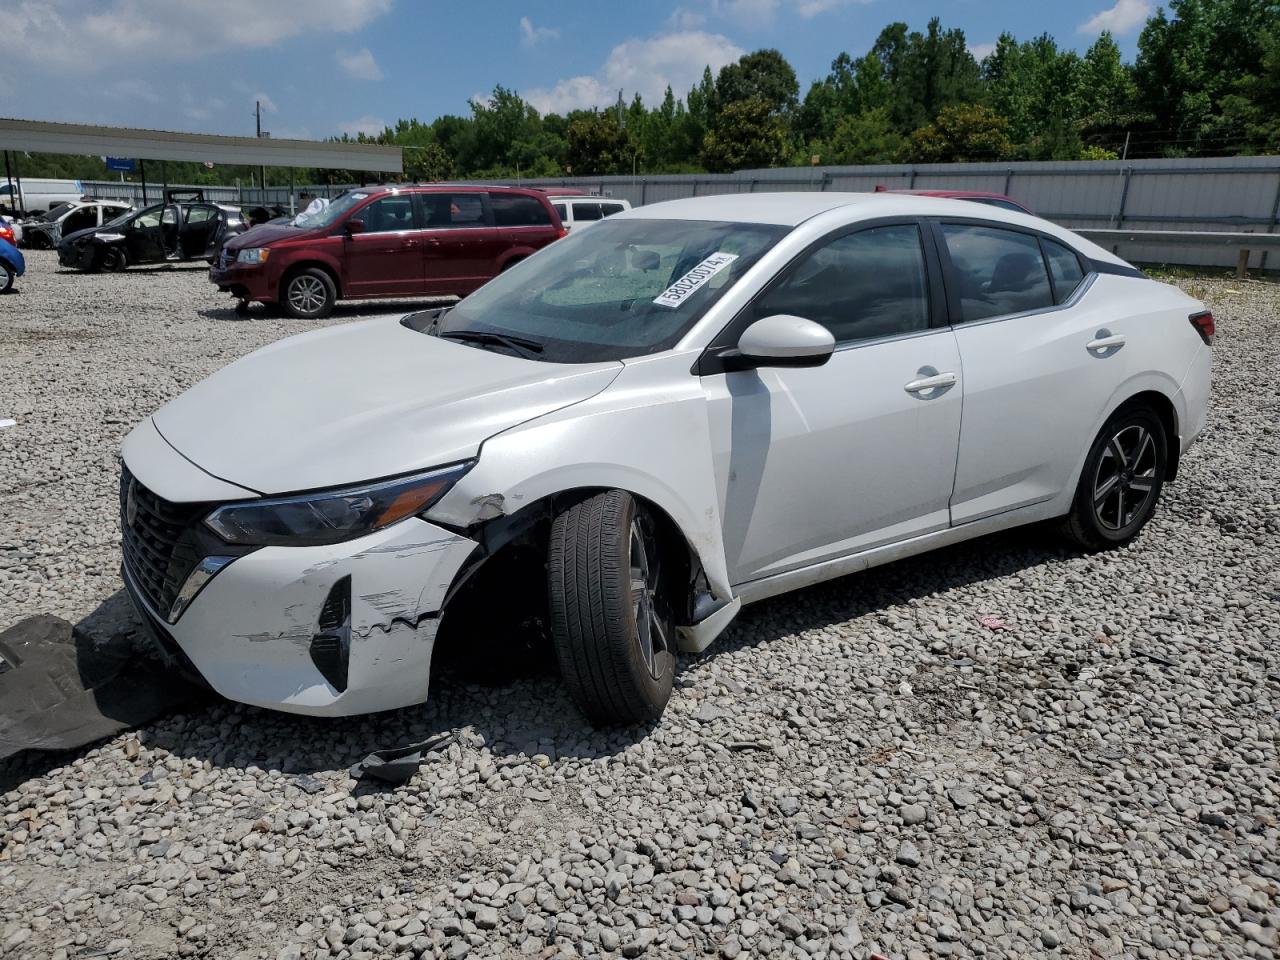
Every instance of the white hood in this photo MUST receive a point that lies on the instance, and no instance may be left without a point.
(361, 401)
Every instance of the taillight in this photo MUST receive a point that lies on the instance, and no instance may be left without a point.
(561, 233)
(1203, 322)
(6, 233)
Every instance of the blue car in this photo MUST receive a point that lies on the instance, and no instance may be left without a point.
(12, 263)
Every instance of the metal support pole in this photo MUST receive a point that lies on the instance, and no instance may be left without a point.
(292, 204)
(9, 176)
(644, 185)
(912, 182)
(1271, 228)
(1242, 264)
(142, 172)
(164, 182)
(1008, 179)
(17, 175)
(1127, 174)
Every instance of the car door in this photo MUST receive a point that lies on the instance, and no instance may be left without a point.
(461, 246)
(818, 463)
(384, 259)
(144, 237)
(1036, 379)
(200, 223)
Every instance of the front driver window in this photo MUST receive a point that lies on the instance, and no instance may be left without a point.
(867, 284)
(388, 214)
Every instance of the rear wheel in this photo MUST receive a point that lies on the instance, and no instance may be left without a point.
(6, 279)
(308, 294)
(610, 619)
(1121, 481)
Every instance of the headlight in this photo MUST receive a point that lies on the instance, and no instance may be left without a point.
(109, 237)
(333, 515)
(253, 255)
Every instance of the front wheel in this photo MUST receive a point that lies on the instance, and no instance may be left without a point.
(308, 294)
(1121, 480)
(610, 618)
(113, 260)
(6, 279)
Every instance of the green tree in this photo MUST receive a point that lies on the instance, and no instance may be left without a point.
(965, 132)
(763, 75)
(868, 137)
(427, 163)
(1190, 62)
(598, 145)
(919, 74)
(747, 133)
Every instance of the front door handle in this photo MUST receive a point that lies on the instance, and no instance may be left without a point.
(410, 244)
(937, 381)
(1104, 340)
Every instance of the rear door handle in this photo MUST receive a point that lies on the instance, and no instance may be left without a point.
(935, 382)
(409, 244)
(1105, 340)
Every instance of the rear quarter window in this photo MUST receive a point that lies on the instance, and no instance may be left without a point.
(518, 211)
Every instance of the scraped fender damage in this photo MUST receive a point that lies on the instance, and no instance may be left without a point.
(263, 611)
(641, 435)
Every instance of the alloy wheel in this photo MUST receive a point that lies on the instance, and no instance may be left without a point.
(650, 633)
(1126, 477)
(306, 294)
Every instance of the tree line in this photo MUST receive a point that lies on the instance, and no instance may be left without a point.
(1205, 82)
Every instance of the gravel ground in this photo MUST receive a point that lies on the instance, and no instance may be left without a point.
(859, 768)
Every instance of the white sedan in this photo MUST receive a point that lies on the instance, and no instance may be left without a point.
(624, 438)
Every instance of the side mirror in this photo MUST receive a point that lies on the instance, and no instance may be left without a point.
(354, 226)
(782, 341)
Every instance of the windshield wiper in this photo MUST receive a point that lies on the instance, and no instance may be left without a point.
(526, 348)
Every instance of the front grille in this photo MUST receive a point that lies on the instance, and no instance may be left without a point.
(158, 551)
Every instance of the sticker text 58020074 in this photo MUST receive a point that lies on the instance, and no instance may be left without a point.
(691, 282)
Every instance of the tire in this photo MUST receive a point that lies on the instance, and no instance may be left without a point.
(40, 241)
(308, 294)
(6, 279)
(113, 260)
(610, 624)
(1123, 475)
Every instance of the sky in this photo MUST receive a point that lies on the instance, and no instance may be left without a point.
(325, 67)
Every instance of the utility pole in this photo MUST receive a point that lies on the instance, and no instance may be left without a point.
(1124, 154)
(261, 170)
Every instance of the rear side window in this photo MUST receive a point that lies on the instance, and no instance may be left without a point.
(514, 210)
(609, 209)
(1064, 268)
(586, 211)
(200, 214)
(860, 286)
(998, 271)
(453, 209)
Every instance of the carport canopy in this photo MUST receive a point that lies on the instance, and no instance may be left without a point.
(39, 136)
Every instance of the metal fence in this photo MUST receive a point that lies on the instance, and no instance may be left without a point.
(1226, 194)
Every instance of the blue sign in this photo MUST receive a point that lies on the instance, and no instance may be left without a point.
(121, 164)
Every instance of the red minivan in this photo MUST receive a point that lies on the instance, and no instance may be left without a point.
(392, 241)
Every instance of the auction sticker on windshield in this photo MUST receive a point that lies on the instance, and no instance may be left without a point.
(691, 282)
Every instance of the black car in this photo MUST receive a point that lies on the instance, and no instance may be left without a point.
(165, 232)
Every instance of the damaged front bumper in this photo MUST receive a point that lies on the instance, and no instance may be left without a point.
(332, 630)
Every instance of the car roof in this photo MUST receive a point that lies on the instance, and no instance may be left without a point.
(791, 209)
(560, 197)
(445, 186)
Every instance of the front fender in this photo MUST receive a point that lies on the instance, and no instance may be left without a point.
(647, 433)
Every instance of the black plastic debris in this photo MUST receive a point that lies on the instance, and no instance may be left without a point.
(397, 765)
(62, 686)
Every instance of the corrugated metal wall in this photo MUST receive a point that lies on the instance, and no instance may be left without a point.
(1224, 193)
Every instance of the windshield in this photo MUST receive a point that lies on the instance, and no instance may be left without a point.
(331, 214)
(54, 212)
(623, 289)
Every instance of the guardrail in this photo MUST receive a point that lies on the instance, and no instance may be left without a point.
(1243, 243)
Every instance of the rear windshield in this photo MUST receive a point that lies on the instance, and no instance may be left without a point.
(624, 288)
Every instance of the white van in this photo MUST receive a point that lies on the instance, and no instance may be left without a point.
(582, 211)
(32, 195)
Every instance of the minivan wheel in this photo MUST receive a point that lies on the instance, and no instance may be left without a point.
(113, 260)
(610, 620)
(1121, 481)
(308, 294)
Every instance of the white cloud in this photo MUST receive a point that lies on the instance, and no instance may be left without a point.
(531, 36)
(646, 67)
(89, 34)
(761, 13)
(371, 126)
(981, 51)
(268, 105)
(1124, 17)
(359, 64)
(682, 18)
